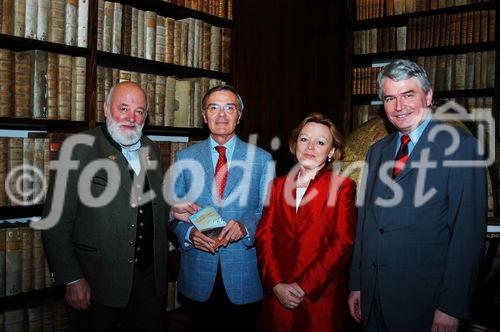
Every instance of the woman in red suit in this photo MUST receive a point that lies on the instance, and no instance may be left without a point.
(305, 237)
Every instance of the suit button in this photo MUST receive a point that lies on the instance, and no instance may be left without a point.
(132, 225)
(138, 248)
(130, 260)
(140, 211)
(381, 230)
(131, 242)
(133, 205)
(140, 237)
(141, 224)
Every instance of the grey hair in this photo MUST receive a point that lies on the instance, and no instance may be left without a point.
(224, 87)
(399, 70)
(110, 95)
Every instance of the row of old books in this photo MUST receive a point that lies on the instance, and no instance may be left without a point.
(45, 316)
(168, 151)
(364, 113)
(430, 31)
(173, 102)
(474, 70)
(24, 169)
(123, 29)
(23, 266)
(56, 21)
(42, 85)
(220, 8)
(367, 9)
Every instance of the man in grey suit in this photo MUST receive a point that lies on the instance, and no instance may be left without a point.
(221, 283)
(109, 243)
(421, 223)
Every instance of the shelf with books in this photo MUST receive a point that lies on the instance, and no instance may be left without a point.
(402, 19)
(175, 131)
(55, 292)
(179, 12)
(367, 98)
(17, 44)
(42, 124)
(126, 62)
(365, 59)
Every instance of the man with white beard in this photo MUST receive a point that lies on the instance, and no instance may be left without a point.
(109, 247)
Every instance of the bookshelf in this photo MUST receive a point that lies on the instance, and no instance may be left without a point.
(455, 41)
(215, 16)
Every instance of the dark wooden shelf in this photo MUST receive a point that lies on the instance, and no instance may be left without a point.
(24, 44)
(365, 99)
(367, 59)
(40, 124)
(176, 12)
(175, 131)
(126, 62)
(12, 212)
(35, 295)
(400, 20)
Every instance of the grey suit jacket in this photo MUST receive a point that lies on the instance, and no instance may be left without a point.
(422, 253)
(96, 243)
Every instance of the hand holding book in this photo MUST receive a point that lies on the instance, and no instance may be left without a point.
(208, 221)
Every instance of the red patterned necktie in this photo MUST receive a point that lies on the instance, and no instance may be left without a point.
(221, 170)
(401, 156)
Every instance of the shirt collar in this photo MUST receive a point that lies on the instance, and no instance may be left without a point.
(229, 144)
(417, 132)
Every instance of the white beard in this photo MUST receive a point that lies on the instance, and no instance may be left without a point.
(129, 138)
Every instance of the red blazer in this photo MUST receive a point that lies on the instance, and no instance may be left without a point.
(312, 247)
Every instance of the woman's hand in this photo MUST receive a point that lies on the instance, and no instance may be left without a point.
(289, 295)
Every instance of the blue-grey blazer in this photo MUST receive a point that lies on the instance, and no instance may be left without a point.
(425, 256)
(250, 171)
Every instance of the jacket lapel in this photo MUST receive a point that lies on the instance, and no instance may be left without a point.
(236, 173)
(111, 153)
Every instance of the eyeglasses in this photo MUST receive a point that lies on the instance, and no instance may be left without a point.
(228, 108)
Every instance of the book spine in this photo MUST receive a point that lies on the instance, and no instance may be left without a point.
(63, 87)
(78, 89)
(40, 85)
(160, 39)
(6, 82)
(170, 105)
(169, 39)
(4, 148)
(150, 35)
(71, 22)
(56, 21)
(107, 32)
(22, 84)
(42, 19)
(30, 19)
(19, 18)
(127, 21)
(83, 21)
(159, 100)
(140, 33)
(7, 17)
(215, 48)
(13, 247)
(100, 24)
(133, 33)
(116, 43)
(52, 64)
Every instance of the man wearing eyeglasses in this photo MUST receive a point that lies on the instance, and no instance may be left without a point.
(219, 280)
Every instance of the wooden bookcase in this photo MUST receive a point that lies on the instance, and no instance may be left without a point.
(429, 49)
(95, 58)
